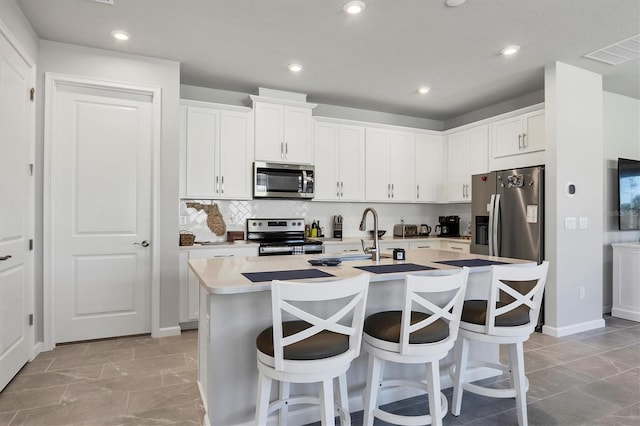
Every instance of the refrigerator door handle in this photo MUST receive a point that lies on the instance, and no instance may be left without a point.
(491, 210)
(494, 235)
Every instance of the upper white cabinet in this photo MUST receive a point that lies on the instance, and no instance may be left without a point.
(216, 151)
(283, 130)
(339, 162)
(467, 154)
(519, 135)
(428, 168)
(389, 165)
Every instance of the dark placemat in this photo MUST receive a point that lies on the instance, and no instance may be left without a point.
(398, 267)
(471, 262)
(294, 274)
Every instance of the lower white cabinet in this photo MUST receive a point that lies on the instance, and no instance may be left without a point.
(455, 246)
(189, 284)
(626, 281)
(431, 244)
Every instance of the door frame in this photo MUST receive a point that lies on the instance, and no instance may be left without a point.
(34, 349)
(51, 83)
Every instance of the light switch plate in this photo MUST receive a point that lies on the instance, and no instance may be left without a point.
(584, 223)
(569, 223)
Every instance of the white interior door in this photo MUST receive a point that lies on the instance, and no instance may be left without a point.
(101, 204)
(16, 282)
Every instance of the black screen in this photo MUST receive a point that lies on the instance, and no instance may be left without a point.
(629, 194)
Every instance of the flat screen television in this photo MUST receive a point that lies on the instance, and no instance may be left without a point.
(628, 194)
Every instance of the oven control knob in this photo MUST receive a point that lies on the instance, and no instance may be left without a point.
(254, 224)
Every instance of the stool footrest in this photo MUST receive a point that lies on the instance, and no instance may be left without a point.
(345, 416)
(493, 392)
(411, 420)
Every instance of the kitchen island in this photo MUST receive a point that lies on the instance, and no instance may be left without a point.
(234, 309)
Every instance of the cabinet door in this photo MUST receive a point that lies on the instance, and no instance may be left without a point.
(402, 166)
(377, 185)
(184, 272)
(234, 171)
(297, 135)
(269, 136)
(534, 139)
(326, 159)
(351, 160)
(507, 137)
(477, 152)
(457, 169)
(202, 129)
(428, 160)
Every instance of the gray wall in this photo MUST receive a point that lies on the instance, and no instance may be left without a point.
(103, 64)
(573, 102)
(621, 139)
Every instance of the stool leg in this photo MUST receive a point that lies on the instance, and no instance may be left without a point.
(342, 390)
(284, 411)
(326, 403)
(460, 357)
(433, 386)
(516, 363)
(262, 404)
(374, 377)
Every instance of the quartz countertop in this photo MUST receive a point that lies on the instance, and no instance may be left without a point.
(224, 275)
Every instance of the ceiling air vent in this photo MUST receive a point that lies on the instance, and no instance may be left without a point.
(619, 52)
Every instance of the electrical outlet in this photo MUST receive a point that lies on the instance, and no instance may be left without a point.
(584, 223)
(583, 293)
(183, 220)
(569, 223)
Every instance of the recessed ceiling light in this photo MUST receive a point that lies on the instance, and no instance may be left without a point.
(295, 67)
(509, 50)
(454, 3)
(354, 7)
(424, 90)
(120, 35)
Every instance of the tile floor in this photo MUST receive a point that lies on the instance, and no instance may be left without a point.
(591, 378)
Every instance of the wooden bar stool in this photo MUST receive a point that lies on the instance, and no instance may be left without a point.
(306, 345)
(422, 333)
(508, 317)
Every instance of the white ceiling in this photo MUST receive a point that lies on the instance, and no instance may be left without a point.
(374, 61)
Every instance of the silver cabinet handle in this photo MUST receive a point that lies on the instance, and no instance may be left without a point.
(222, 184)
(388, 190)
(524, 141)
(392, 190)
(286, 149)
(217, 184)
(417, 191)
(337, 188)
(455, 248)
(341, 188)
(144, 243)
(7, 257)
(519, 142)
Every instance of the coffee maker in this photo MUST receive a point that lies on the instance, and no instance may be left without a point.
(449, 226)
(337, 226)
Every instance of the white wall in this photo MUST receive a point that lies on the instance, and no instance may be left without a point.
(573, 101)
(621, 139)
(13, 20)
(108, 65)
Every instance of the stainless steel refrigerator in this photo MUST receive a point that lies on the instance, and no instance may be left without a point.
(507, 213)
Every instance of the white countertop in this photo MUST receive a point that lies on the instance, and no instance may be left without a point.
(224, 275)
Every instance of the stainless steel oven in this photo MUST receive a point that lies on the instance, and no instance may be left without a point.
(276, 180)
(281, 236)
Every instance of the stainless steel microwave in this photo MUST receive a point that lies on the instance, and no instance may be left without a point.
(276, 180)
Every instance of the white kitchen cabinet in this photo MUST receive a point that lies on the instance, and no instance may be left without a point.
(430, 244)
(389, 165)
(626, 281)
(342, 248)
(283, 131)
(216, 151)
(467, 154)
(521, 134)
(462, 247)
(428, 168)
(339, 162)
(190, 286)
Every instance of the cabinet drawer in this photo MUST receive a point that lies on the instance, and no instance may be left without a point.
(459, 247)
(425, 245)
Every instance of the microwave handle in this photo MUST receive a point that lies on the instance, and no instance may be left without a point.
(304, 181)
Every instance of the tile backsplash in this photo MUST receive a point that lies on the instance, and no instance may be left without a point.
(235, 213)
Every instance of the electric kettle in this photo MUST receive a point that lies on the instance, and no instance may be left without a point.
(424, 230)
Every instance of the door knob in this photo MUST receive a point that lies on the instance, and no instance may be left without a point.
(144, 243)
(7, 257)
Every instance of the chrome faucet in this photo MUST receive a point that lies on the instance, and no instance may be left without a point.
(375, 249)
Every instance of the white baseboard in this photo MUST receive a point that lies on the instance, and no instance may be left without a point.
(168, 331)
(628, 314)
(573, 329)
(37, 348)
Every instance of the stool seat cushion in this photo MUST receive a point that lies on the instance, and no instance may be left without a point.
(475, 312)
(386, 326)
(322, 345)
